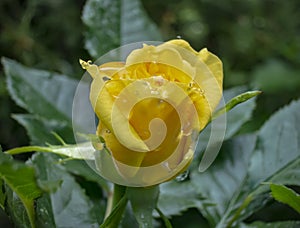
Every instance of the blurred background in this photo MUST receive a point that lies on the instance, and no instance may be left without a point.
(258, 42)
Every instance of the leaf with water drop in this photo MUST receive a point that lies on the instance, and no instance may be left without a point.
(143, 202)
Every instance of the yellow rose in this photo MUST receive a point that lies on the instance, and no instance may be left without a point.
(151, 109)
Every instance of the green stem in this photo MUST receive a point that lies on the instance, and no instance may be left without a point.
(119, 192)
(113, 199)
(24, 149)
(240, 209)
(164, 218)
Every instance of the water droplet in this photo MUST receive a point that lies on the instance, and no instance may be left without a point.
(178, 37)
(164, 94)
(182, 176)
(187, 156)
(166, 165)
(158, 80)
(191, 84)
(105, 78)
(107, 131)
(185, 133)
(154, 92)
(145, 83)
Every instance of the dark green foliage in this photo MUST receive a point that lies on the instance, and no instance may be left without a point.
(259, 44)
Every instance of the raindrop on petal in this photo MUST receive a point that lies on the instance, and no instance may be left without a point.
(182, 176)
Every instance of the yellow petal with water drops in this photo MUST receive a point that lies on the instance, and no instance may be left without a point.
(208, 72)
(162, 54)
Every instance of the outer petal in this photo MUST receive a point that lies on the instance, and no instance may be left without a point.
(109, 69)
(183, 44)
(214, 64)
(163, 54)
(209, 72)
(210, 77)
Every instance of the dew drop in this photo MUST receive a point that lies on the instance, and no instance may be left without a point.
(105, 78)
(147, 84)
(158, 80)
(42, 210)
(191, 84)
(107, 131)
(154, 92)
(182, 176)
(185, 133)
(165, 94)
(166, 165)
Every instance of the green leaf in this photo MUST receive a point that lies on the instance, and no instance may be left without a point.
(164, 218)
(220, 184)
(111, 24)
(128, 219)
(39, 129)
(75, 151)
(176, 197)
(235, 118)
(44, 215)
(117, 212)
(241, 98)
(233, 182)
(224, 125)
(286, 195)
(276, 158)
(21, 179)
(143, 202)
(69, 204)
(46, 95)
(283, 224)
(81, 168)
(241, 113)
(2, 195)
(277, 149)
(42, 93)
(16, 210)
